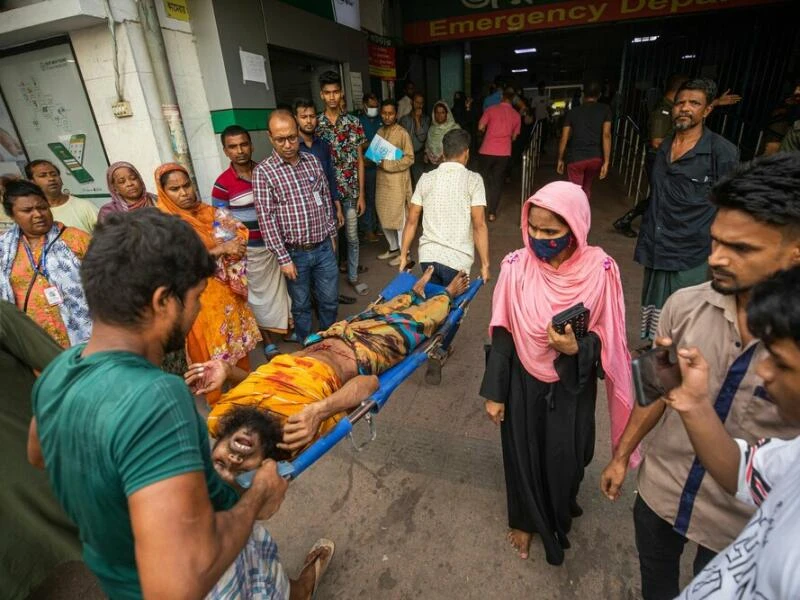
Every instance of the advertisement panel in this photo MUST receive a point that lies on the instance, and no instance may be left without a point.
(46, 98)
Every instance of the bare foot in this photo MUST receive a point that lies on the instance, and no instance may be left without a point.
(419, 287)
(520, 541)
(459, 285)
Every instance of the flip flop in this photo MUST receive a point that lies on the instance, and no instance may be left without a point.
(359, 288)
(271, 351)
(320, 566)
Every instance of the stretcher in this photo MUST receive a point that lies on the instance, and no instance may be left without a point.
(438, 345)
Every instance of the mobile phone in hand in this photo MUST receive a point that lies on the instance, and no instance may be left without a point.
(655, 374)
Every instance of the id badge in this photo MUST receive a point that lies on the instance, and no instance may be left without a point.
(53, 296)
(317, 198)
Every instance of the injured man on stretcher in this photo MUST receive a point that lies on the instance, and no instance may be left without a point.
(285, 404)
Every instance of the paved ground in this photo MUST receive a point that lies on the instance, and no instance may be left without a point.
(420, 513)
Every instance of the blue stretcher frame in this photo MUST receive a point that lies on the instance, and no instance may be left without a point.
(389, 381)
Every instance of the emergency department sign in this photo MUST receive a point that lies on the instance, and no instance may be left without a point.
(443, 21)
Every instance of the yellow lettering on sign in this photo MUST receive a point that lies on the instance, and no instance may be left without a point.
(483, 24)
(657, 4)
(562, 14)
(462, 27)
(597, 11)
(628, 7)
(573, 12)
(516, 22)
(536, 17)
(438, 27)
(498, 21)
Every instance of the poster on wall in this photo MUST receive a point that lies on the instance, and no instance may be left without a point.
(45, 97)
(382, 57)
(12, 154)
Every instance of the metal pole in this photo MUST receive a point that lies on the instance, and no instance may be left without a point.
(524, 176)
(639, 179)
(633, 171)
(616, 142)
(739, 139)
(166, 88)
(623, 148)
(724, 125)
(758, 143)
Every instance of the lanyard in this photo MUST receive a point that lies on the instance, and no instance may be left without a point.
(39, 268)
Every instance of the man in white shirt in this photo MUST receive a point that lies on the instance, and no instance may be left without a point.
(66, 209)
(405, 104)
(763, 562)
(452, 201)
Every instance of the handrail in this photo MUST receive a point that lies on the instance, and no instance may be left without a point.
(530, 161)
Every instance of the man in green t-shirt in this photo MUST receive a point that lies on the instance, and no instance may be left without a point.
(127, 453)
(36, 534)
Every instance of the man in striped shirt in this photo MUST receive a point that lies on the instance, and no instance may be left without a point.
(296, 219)
(233, 191)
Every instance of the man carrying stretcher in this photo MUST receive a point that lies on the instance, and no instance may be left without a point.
(288, 402)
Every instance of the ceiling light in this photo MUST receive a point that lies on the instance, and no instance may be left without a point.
(524, 50)
(688, 56)
(647, 38)
(519, 70)
(467, 56)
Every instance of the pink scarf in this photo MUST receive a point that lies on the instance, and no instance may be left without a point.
(529, 292)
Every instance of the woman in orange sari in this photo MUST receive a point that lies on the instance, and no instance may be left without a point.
(225, 329)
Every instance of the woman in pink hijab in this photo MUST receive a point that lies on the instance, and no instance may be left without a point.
(540, 386)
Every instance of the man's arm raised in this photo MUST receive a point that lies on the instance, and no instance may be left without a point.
(715, 448)
(183, 547)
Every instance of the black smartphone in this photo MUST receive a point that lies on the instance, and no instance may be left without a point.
(655, 374)
(577, 316)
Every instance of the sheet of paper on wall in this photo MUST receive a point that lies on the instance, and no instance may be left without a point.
(380, 149)
(253, 67)
(357, 87)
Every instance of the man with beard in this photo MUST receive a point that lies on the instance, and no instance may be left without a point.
(674, 240)
(125, 450)
(233, 191)
(756, 232)
(762, 561)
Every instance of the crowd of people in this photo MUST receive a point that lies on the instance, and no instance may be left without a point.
(151, 286)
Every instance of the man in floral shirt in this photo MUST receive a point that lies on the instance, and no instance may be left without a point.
(346, 137)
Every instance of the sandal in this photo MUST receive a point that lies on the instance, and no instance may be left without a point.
(362, 289)
(292, 338)
(271, 351)
(320, 565)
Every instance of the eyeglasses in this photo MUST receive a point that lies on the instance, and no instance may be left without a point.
(282, 141)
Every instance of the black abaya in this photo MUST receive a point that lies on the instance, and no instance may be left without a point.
(547, 436)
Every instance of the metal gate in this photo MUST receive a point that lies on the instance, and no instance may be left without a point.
(753, 52)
